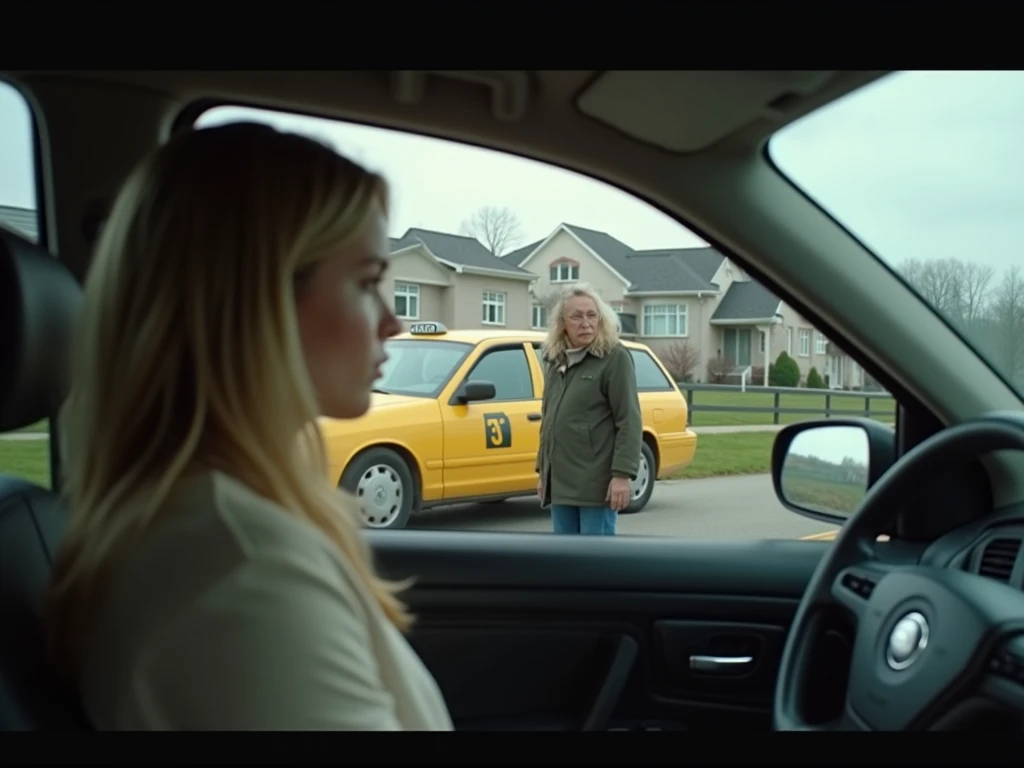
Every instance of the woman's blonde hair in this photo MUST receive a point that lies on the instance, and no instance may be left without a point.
(606, 334)
(188, 354)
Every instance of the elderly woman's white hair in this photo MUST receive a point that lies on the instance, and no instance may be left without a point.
(606, 334)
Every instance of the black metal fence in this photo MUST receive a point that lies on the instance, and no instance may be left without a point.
(828, 395)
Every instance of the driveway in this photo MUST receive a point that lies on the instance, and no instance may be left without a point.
(742, 507)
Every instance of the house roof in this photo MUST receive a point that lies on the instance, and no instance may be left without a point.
(745, 300)
(516, 257)
(671, 270)
(666, 269)
(23, 221)
(457, 249)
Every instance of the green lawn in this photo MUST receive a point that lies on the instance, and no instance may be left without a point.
(738, 453)
(29, 459)
(39, 426)
(882, 409)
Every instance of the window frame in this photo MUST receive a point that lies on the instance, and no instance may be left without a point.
(820, 343)
(529, 372)
(533, 316)
(555, 271)
(805, 335)
(401, 290)
(649, 314)
(502, 304)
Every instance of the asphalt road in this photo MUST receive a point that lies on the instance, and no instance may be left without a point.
(742, 507)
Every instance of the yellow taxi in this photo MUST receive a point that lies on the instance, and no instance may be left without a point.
(456, 418)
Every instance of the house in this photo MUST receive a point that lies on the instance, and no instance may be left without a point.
(433, 276)
(695, 295)
(456, 281)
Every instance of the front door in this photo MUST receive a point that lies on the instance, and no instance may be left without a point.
(490, 447)
(737, 346)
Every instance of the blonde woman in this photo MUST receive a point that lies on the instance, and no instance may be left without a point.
(591, 428)
(212, 577)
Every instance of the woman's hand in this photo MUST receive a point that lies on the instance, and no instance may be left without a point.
(618, 493)
(540, 490)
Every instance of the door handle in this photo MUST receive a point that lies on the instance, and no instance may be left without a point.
(719, 663)
(533, 417)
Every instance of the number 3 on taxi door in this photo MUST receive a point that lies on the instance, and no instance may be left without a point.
(497, 430)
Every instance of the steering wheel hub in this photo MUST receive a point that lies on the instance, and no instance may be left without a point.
(907, 641)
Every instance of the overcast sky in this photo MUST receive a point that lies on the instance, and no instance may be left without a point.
(922, 165)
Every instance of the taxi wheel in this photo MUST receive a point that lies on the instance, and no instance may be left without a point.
(642, 488)
(383, 485)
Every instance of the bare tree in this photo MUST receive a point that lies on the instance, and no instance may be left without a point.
(682, 360)
(1008, 319)
(498, 228)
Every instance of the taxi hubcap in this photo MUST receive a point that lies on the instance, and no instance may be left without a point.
(380, 495)
(643, 476)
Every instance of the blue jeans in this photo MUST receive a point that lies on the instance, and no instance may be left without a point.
(591, 521)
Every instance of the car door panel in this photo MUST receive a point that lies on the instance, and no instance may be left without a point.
(531, 631)
(490, 447)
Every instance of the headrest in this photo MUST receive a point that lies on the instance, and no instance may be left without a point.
(39, 301)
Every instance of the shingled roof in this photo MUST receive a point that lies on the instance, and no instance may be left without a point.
(457, 249)
(23, 221)
(747, 300)
(666, 269)
(676, 269)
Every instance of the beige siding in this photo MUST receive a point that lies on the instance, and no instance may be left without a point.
(433, 282)
(468, 300)
(565, 246)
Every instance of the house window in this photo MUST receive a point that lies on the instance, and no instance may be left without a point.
(407, 301)
(494, 308)
(805, 343)
(540, 316)
(819, 344)
(565, 272)
(665, 320)
(789, 342)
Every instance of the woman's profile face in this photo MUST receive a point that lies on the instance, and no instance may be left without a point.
(344, 321)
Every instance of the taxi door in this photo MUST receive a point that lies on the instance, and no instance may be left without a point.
(490, 446)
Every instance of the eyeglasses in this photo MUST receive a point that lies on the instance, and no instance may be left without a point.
(579, 317)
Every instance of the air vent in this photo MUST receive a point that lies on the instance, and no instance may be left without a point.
(998, 559)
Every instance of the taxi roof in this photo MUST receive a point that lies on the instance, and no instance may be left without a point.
(479, 335)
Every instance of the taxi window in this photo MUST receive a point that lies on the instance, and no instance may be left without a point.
(419, 368)
(508, 370)
(649, 377)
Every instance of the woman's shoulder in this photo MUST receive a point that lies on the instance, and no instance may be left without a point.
(212, 529)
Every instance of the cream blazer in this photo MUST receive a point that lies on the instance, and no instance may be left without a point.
(233, 614)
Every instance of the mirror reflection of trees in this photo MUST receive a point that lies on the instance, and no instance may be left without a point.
(824, 486)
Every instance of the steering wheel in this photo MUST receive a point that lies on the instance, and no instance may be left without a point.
(928, 640)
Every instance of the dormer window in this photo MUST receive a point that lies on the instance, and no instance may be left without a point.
(565, 271)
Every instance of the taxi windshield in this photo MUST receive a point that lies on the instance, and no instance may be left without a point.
(419, 368)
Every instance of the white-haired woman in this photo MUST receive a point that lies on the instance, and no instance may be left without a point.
(591, 428)
(212, 577)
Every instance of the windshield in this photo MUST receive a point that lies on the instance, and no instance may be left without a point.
(419, 368)
(926, 169)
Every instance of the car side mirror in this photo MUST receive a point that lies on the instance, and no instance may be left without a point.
(474, 391)
(824, 469)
